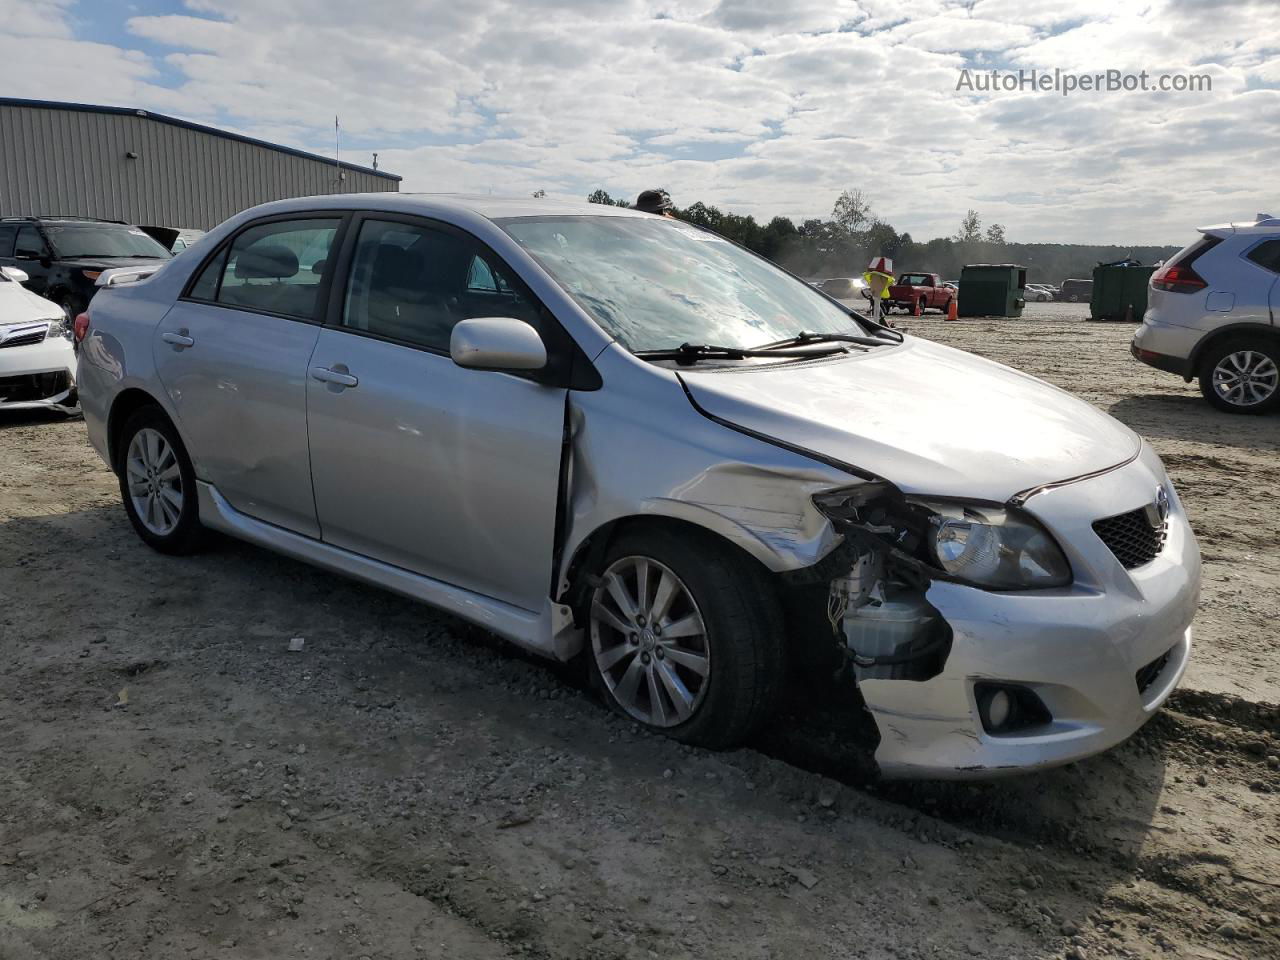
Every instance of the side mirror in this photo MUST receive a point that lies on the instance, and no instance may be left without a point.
(497, 343)
(14, 274)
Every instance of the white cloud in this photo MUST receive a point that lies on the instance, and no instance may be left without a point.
(764, 107)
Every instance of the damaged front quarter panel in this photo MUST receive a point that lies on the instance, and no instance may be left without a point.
(756, 495)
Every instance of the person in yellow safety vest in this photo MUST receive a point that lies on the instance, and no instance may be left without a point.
(879, 277)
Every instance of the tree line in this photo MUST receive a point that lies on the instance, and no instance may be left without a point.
(843, 244)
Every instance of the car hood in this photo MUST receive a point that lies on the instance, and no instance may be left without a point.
(106, 263)
(928, 418)
(20, 305)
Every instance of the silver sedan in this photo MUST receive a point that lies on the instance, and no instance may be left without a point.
(616, 436)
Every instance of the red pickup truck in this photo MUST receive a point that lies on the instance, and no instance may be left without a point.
(926, 289)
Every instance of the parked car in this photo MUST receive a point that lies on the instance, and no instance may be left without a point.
(1211, 316)
(604, 434)
(844, 288)
(1038, 292)
(37, 360)
(1075, 291)
(173, 239)
(923, 289)
(62, 256)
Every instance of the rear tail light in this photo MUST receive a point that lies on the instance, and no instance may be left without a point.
(1179, 275)
(91, 274)
(81, 326)
(1177, 279)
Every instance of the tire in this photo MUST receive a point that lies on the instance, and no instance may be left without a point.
(1074, 298)
(1242, 375)
(946, 307)
(148, 450)
(728, 677)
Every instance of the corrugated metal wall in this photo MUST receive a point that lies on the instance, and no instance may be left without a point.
(74, 162)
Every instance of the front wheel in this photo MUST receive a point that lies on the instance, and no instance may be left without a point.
(158, 483)
(686, 637)
(1242, 376)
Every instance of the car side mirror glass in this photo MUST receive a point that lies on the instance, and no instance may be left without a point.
(16, 275)
(497, 343)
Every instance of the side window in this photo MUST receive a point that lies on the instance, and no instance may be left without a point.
(30, 244)
(206, 285)
(7, 234)
(480, 277)
(1267, 255)
(413, 282)
(275, 267)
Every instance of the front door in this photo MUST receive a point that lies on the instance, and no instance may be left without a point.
(232, 354)
(420, 463)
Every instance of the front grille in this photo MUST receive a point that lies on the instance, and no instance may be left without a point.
(1132, 537)
(1151, 672)
(26, 337)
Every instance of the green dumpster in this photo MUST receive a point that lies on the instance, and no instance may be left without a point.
(1120, 291)
(992, 290)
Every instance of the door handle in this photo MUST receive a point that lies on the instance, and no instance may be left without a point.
(336, 377)
(180, 341)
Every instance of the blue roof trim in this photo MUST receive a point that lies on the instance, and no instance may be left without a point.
(189, 125)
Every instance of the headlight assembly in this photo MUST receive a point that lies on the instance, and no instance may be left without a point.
(991, 547)
(981, 544)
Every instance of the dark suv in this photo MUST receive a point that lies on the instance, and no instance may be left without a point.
(63, 256)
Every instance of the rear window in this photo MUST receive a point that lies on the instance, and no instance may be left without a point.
(1193, 250)
(1267, 255)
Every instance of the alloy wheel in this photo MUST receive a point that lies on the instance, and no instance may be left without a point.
(650, 642)
(155, 481)
(1246, 378)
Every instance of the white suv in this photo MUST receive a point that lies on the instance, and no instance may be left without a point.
(1211, 315)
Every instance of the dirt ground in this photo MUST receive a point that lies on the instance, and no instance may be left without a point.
(177, 784)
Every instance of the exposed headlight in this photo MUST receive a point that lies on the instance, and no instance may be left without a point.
(989, 546)
(61, 327)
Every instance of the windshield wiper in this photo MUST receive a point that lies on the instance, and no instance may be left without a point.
(804, 338)
(688, 354)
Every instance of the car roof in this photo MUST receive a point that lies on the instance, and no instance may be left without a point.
(489, 207)
(59, 218)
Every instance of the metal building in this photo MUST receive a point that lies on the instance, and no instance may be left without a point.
(117, 163)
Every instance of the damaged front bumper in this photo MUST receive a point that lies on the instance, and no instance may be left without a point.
(39, 375)
(1097, 658)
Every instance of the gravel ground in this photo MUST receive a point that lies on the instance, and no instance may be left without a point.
(177, 783)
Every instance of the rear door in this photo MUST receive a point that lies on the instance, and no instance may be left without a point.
(232, 354)
(1265, 258)
(417, 462)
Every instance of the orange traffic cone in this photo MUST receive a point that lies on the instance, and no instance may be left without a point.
(953, 310)
(915, 309)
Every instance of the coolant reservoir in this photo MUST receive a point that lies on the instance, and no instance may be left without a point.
(891, 627)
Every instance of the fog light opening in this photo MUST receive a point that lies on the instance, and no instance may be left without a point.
(999, 709)
(1007, 708)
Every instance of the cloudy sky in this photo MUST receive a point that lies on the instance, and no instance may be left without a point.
(760, 106)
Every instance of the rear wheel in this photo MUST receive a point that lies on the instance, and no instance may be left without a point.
(1242, 375)
(686, 637)
(158, 483)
